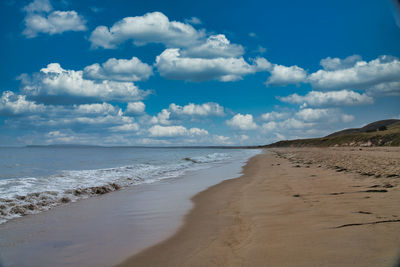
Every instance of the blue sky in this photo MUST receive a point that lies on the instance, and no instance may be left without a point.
(204, 73)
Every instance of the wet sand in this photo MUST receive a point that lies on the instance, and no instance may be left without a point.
(293, 207)
(104, 230)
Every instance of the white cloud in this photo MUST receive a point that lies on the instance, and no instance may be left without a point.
(176, 112)
(378, 77)
(282, 75)
(96, 9)
(260, 50)
(119, 70)
(194, 21)
(39, 20)
(385, 89)
(270, 126)
(333, 98)
(292, 123)
(197, 131)
(61, 137)
(135, 108)
(152, 27)
(55, 82)
(97, 109)
(95, 117)
(252, 34)
(273, 115)
(362, 75)
(214, 47)
(331, 64)
(201, 110)
(13, 104)
(99, 120)
(152, 141)
(130, 127)
(288, 124)
(279, 136)
(223, 140)
(309, 114)
(347, 118)
(162, 117)
(172, 131)
(262, 64)
(242, 122)
(244, 137)
(38, 6)
(326, 115)
(172, 65)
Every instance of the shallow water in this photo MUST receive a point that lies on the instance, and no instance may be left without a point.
(104, 230)
(34, 179)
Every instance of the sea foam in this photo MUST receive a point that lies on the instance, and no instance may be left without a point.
(29, 195)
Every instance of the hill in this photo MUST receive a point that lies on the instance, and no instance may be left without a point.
(379, 133)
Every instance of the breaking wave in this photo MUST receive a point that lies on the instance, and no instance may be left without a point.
(29, 195)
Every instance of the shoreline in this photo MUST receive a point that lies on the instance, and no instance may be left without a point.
(281, 213)
(104, 230)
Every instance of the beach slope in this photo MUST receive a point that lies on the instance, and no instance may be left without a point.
(293, 207)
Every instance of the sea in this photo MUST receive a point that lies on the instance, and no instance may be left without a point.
(36, 179)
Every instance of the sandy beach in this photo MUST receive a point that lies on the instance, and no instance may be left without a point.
(293, 207)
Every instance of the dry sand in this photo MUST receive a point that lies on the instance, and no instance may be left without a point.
(294, 207)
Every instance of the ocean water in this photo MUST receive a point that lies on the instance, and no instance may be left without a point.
(34, 179)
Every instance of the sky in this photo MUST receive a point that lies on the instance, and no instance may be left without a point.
(166, 73)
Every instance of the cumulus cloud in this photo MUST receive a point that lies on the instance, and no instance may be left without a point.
(173, 131)
(260, 50)
(62, 137)
(282, 75)
(331, 64)
(325, 114)
(385, 89)
(378, 77)
(58, 117)
(129, 127)
(309, 114)
(197, 131)
(94, 118)
(177, 112)
(201, 110)
(270, 126)
(38, 6)
(347, 118)
(252, 34)
(172, 65)
(194, 21)
(135, 108)
(152, 27)
(273, 115)
(119, 70)
(262, 64)
(13, 104)
(162, 117)
(244, 137)
(223, 140)
(287, 124)
(362, 75)
(215, 46)
(305, 123)
(41, 19)
(242, 122)
(54, 82)
(333, 98)
(97, 109)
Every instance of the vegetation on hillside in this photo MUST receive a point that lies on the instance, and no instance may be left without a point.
(380, 133)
